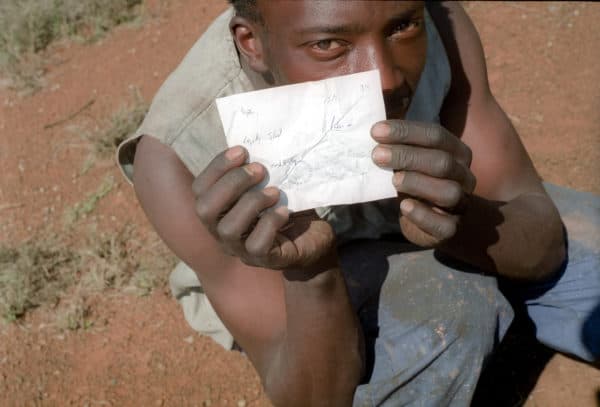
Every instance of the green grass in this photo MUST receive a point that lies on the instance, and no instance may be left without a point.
(30, 26)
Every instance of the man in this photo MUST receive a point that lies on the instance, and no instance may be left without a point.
(343, 308)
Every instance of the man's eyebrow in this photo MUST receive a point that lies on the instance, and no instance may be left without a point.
(355, 28)
(403, 16)
(352, 28)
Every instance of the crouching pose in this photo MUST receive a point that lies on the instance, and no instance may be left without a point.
(393, 302)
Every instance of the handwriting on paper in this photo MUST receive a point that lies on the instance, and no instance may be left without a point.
(313, 138)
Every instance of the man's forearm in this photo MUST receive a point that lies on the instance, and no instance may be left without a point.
(521, 239)
(319, 360)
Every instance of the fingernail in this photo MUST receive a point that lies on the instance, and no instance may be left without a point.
(380, 130)
(397, 179)
(406, 206)
(382, 155)
(234, 153)
(252, 168)
(271, 192)
(283, 211)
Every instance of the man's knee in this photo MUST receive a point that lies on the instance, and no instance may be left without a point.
(436, 327)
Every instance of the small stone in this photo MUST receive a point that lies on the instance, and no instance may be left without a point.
(189, 339)
(241, 403)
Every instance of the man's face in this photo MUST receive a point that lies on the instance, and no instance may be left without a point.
(315, 39)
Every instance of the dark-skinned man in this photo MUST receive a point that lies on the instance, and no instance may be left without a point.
(385, 303)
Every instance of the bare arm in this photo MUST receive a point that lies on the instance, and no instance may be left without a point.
(300, 334)
(511, 211)
(468, 187)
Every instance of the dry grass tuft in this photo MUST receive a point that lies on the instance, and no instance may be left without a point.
(48, 272)
(103, 138)
(88, 205)
(33, 274)
(119, 126)
(30, 26)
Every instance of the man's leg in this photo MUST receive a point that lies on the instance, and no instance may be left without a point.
(566, 310)
(428, 327)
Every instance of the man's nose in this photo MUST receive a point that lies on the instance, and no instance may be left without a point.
(380, 57)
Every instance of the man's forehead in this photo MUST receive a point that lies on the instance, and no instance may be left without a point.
(331, 15)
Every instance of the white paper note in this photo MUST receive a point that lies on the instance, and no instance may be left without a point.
(313, 138)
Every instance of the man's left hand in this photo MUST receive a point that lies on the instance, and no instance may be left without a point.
(431, 174)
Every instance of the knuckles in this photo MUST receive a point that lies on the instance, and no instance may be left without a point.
(204, 211)
(256, 248)
(399, 129)
(402, 158)
(444, 164)
(445, 230)
(452, 195)
(227, 231)
(435, 135)
(467, 155)
(197, 185)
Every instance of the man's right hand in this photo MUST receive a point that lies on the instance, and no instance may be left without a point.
(246, 224)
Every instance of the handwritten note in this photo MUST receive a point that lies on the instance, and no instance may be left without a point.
(313, 138)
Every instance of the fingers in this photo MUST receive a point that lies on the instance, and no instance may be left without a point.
(442, 193)
(242, 219)
(224, 193)
(227, 160)
(431, 136)
(435, 163)
(260, 242)
(439, 226)
(234, 227)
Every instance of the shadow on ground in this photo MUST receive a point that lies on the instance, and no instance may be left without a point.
(513, 371)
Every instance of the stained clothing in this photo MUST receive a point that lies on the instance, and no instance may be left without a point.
(429, 325)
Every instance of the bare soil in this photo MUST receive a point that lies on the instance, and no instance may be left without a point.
(543, 67)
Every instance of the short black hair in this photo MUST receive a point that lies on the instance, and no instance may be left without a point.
(247, 9)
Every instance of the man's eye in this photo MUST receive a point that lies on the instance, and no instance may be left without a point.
(327, 45)
(406, 27)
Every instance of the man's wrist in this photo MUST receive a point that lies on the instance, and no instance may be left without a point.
(318, 272)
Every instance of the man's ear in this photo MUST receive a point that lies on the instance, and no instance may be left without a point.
(249, 43)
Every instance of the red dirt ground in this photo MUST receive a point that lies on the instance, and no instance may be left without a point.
(543, 63)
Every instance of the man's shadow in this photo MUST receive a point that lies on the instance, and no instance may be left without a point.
(517, 364)
(515, 367)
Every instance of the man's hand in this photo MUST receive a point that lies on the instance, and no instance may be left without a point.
(242, 218)
(431, 174)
